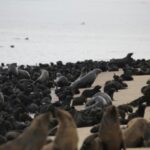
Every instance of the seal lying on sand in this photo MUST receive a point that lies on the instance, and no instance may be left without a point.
(148, 81)
(66, 136)
(123, 61)
(99, 100)
(85, 94)
(33, 138)
(90, 92)
(110, 136)
(86, 80)
(134, 134)
(79, 100)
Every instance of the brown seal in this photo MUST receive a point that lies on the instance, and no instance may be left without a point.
(66, 136)
(33, 138)
(92, 142)
(134, 133)
(109, 136)
(146, 141)
(109, 131)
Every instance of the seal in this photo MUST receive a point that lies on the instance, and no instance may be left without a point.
(92, 142)
(86, 118)
(80, 100)
(66, 136)
(138, 113)
(147, 136)
(23, 74)
(44, 77)
(109, 136)
(90, 92)
(86, 80)
(34, 137)
(61, 80)
(148, 81)
(99, 100)
(12, 69)
(109, 131)
(134, 133)
(123, 61)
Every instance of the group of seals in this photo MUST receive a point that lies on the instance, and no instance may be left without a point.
(34, 137)
(27, 89)
(66, 136)
(109, 135)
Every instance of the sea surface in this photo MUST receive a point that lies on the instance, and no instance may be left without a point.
(73, 30)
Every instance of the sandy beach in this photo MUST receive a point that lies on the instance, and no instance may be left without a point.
(37, 31)
(121, 97)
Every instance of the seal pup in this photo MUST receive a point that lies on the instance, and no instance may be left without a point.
(86, 80)
(109, 131)
(134, 133)
(34, 136)
(66, 136)
(90, 92)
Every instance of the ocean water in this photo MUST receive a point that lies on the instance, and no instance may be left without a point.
(72, 30)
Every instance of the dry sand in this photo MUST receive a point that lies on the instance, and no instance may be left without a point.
(123, 96)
